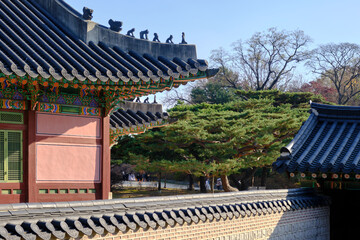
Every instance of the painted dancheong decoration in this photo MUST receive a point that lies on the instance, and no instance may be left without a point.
(64, 80)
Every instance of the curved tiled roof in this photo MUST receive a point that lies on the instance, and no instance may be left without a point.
(136, 117)
(34, 43)
(328, 142)
(125, 119)
(65, 220)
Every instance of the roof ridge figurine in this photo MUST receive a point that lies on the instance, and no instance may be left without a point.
(144, 34)
(115, 25)
(156, 38)
(183, 38)
(131, 32)
(169, 40)
(87, 13)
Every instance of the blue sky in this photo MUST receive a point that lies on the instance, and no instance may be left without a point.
(211, 24)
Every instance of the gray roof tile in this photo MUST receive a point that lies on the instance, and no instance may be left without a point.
(329, 141)
(29, 32)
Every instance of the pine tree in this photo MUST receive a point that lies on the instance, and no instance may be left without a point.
(221, 139)
(247, 133)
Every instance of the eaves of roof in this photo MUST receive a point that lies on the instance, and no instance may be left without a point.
(125, 121)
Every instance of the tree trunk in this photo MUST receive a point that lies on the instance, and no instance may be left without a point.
(264, 176)
(159, 182)
(226, 184)
(191, 182)
(202, 184)
(212, 183)
(246, 179)
(235, 181)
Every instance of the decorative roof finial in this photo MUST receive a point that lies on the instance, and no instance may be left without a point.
(169, 40)
(156, 38)
(144, 34)
(115, 25)
(183, 39)
(87, 13)
(131, 32)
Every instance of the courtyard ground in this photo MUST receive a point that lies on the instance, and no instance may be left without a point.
(129, 192)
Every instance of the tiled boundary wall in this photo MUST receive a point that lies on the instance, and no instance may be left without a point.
(312, 223)
(271, 214)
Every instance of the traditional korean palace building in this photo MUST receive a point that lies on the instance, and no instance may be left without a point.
(325, 155)
(62, 78)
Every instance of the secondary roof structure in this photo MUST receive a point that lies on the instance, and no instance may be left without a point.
(133, 117)
(328, 143)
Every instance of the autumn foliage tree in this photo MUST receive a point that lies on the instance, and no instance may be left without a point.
(322, 87)
(339, 64)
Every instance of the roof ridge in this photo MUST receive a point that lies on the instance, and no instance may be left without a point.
(321, 106)
(58, 44)
(88, 30)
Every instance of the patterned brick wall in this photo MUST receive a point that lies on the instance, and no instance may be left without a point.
(310, 223)
(270, 214)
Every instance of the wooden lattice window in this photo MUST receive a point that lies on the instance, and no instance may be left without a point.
(11, 117)
(11, 156)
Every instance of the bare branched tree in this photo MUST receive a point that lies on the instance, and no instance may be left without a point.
(175, 95)
(228, 78)
(268, 59)
(339, 63)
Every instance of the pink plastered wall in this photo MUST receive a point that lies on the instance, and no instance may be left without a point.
(67, 163)
(68, 125)
(61, 161)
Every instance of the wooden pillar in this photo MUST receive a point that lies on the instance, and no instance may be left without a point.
(31, 161)
(105, 166)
